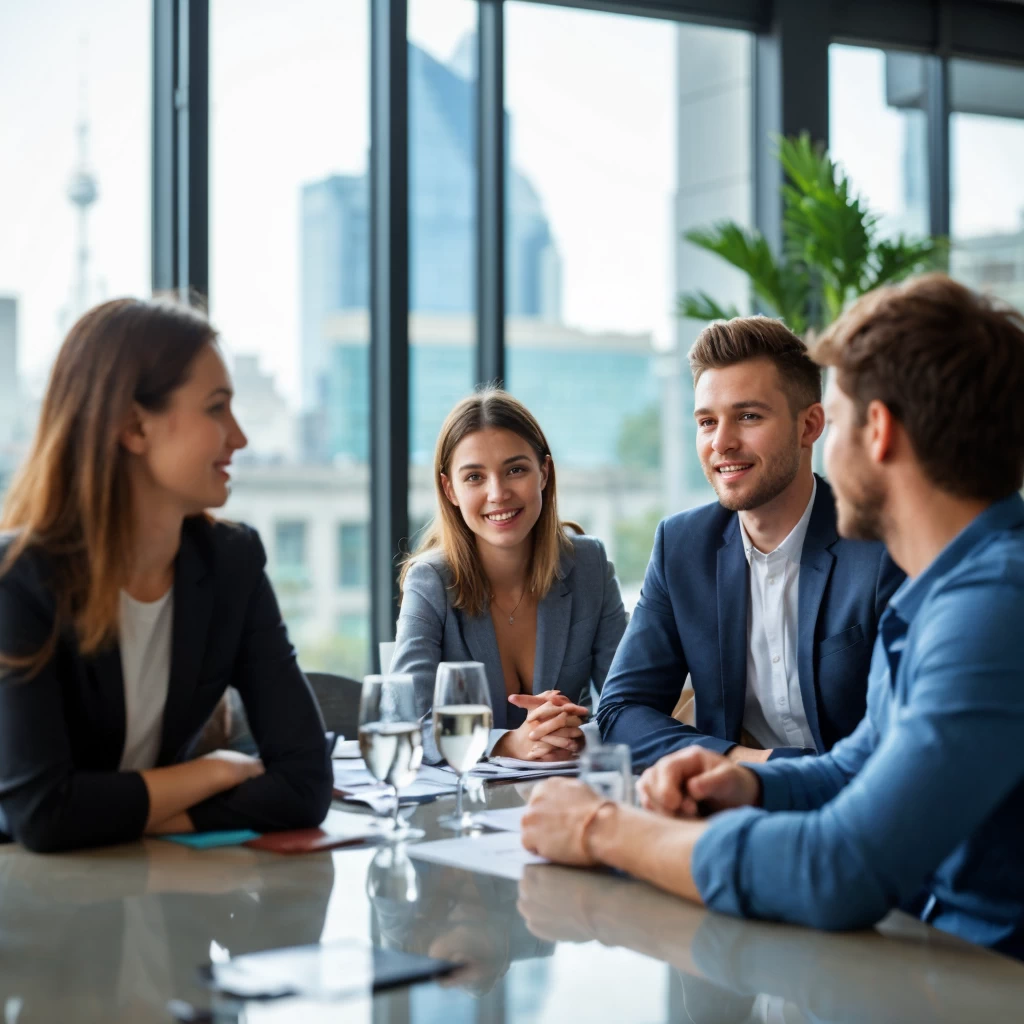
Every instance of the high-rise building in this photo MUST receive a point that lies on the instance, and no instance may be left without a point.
(714, 182)
(442, 191)
(566, 372)
(263, 414)
(335, 267)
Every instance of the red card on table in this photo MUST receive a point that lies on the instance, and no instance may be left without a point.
(339, 828)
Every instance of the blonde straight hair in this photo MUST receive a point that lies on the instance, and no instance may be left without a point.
(491, 407)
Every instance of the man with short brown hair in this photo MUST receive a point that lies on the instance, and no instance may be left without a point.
(755, 596)
(923, 806)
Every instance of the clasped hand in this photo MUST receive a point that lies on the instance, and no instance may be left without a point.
(697, 781)
(551, 731)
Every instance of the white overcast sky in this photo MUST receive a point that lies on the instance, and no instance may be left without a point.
(592, 100)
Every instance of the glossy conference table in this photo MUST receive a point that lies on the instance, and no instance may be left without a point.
(112, 935)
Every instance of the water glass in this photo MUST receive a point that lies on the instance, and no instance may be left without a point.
(462, 725)
(390, 739)
(608, 770)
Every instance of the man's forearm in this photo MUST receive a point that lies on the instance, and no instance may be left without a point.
(651, 734)
(647, 846)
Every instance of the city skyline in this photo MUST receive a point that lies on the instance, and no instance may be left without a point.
(36, 263)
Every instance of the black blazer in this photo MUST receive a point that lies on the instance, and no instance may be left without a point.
(62, 732)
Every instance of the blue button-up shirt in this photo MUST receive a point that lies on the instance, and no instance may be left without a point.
(923, 805)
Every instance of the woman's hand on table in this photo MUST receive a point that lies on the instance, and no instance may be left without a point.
(551, 731)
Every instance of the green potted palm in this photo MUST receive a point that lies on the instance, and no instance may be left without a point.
(832, 250)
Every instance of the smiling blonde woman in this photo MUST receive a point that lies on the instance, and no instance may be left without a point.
(500, 579)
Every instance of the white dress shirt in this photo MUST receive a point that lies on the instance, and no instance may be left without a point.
(774, 709)
(146, 670)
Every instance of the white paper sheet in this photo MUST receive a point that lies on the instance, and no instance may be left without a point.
(504, 819)
(346, 749)
(352, 779)
(535, 766)
(494, 853)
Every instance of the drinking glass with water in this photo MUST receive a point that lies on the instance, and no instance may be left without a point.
(390, 740)
(462, 724)
(608, 771)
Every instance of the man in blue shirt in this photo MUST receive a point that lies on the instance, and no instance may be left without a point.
(922, 807)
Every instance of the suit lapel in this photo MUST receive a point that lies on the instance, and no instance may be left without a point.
(193, 609)
(816, 563)
(733, 586)
(553, 616)
(482, 644)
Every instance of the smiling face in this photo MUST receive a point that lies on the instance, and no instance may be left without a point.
(184, 451)
(749, 442)
(497, 483)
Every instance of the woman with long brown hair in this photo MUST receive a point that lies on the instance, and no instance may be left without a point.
(126, 610)
(500, 579)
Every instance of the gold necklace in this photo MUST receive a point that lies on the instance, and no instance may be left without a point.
(511, 614)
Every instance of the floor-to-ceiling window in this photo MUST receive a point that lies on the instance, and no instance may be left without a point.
(986, 183)
(878, 133)
(624, 132)
(289, 291)
(442, 229)
(75, 112)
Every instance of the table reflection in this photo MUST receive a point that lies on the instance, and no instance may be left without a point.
(111, 936)
(733, 970)
(450, 914)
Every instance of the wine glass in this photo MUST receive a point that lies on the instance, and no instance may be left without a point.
(462, 724)
(390, 740)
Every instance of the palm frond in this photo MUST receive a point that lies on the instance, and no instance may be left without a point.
(779, 287)
(831, 252)
(701, 306)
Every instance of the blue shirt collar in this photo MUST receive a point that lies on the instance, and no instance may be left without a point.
(1003, 515)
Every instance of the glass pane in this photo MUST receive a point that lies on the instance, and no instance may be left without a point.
(879, 132)
(290, 551)
(289, 290)
(442, 227)
(74, 184)
(986, 153)
(624, 133)
(354, 555)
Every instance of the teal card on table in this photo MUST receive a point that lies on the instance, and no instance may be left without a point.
(208, 840)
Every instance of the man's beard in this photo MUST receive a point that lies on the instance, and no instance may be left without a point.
(778, 473)
(861, 515)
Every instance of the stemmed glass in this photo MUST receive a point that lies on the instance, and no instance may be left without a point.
(390, 740)
(462, 724)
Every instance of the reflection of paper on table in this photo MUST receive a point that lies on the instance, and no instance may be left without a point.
(323, 971)
(496, 853)
(346, 749)
(505, 819)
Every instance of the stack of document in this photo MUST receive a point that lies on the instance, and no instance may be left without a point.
(354, 784)
(511, 769)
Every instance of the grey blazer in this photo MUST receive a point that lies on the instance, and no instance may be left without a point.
(579, 625)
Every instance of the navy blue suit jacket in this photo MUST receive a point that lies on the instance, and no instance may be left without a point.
(692, 619)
